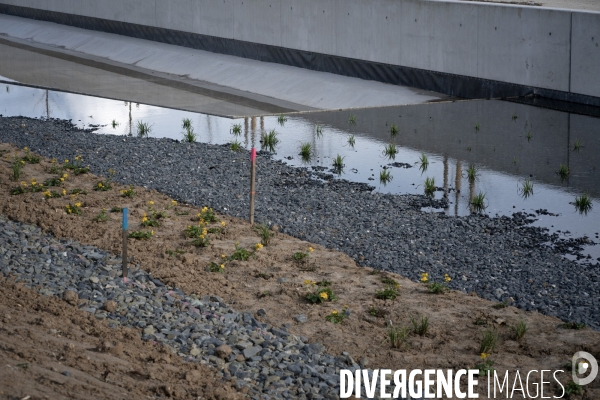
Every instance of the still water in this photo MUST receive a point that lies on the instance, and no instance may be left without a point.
(507, 143)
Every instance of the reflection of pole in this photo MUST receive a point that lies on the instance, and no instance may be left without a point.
(246, 131)
(252, 183)
(130, 120)
(446, 178)
(262, 124)
(568, 147)
(457, 185)
(47, 106)
(253, 129)
(471, 193)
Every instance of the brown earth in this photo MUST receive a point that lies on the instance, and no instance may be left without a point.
(456, 320)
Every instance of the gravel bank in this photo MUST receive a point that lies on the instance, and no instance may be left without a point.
(498, 258)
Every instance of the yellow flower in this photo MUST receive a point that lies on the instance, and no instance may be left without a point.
(484, 356)
(65, 175)
(258, 246)
(64, 192)
(223, 223)
(311, 249)
(307, 281)
(22, 162)
(447, 278)
(100, 184)
(24, 184)
(144, 219)
(26, 148)
(223, 256)
(424, 277)
(152, 232)
(66, 161)
(222, 266)
(201, 236)
(77, 204)
(62, 179)
(53, 160)
(47, 194)
(150, 203)
(173, 202)
(334, 312)
(324, 295)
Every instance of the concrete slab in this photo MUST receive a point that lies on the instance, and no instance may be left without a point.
(309, 89)
(585, 54)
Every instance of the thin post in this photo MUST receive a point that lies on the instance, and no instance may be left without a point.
(125, 229)
(252, 182)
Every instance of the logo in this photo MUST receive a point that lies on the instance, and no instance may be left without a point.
(584, 363)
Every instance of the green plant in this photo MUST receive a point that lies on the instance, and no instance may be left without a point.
(281, 119)
(514, 117)
(240, 254)
(437, 288)
(105, 185)
(390, 292)
(478, 203)
(351, 141)
(78, 191)
(265, 234)
(468, 148)
(485, 366)
(214, 267)
(30, 158)
(114, 123)
(324, 283)
(128, 192)
(420, 327)
(54, 181)
(397, 336)
(390, 151)
(519, 330)
(529, 136)
(385, 176)
(116, 209)
(319, 130)
(352, 119)
(77, 166)
(189, 135)
(338, 163)
(143, 129)
(102, 217)
(393, 129)
(563, 172)
(577, 145)
(186, 123)
(501, 305)
(514, 161)
(17, 166)
(424, 163)
(52, 195)
(526, 189)
(236, 129)
(472, 173)
(172, 253)
(429, 186)
(389, 281)
(73, 208)
(572, 388)
(299, 256)
(320, 295)
(141, 235)
(583, 203)
(269, 140)
(477, 127)
(18, 190)
(207, 215)
(489, 339)
(236, 146)
(55, 168)
(336, 318)
(149, 221)
(306, 151)
(573, 325)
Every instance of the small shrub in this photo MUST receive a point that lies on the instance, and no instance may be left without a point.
(388, 293)
(128, 192)
(207, 215)
(397, 336)
(30, 158)
(321, 295)
(336, 317)
(489, 339)
(265, 234)
(102, 217)
(299, 256)
(240, 254)
(390, 282)
(74, 209)
(16, 166)
(519, 330)
(214, 267)
(437, 288)
(420, 327)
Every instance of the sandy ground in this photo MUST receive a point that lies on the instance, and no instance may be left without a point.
(456, 320)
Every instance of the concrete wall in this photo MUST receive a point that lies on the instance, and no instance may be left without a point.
(539, 47)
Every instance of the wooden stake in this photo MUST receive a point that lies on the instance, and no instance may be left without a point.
(252, 182)
(125, 229)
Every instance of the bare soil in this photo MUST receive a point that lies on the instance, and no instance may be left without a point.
(456, 320)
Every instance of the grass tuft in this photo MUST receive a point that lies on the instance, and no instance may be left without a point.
(583, 203)
(429, 186)
(526, 189)
(478, 203)
(390, 151)
(269, 140)
(306, 151)
(143, 129)
(385, 176)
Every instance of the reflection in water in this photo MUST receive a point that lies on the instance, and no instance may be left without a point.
(437, 137)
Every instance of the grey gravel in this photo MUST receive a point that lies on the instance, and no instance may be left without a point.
(384, 231)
